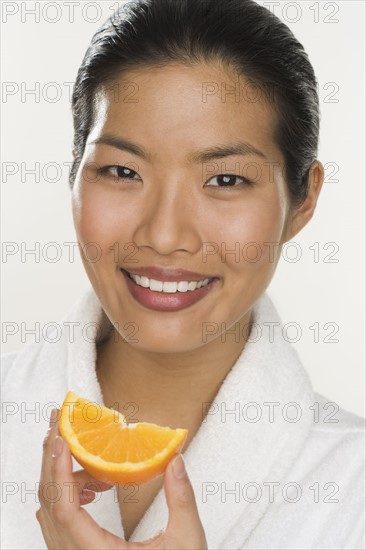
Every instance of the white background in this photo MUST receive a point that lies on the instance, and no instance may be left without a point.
(37, 129)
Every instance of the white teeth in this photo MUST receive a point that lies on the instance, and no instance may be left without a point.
(168, 287)
(144, 281)
(182, 286)
(156, 285)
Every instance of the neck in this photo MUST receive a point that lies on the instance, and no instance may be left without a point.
(165, 388)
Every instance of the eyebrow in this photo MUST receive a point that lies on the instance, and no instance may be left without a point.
(218, 151)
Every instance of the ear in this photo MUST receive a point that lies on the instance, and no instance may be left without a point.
(300, 216)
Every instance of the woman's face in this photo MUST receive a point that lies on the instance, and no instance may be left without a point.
(171, 208)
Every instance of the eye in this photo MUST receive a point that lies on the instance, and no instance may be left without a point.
(118, 172)
(228, 180)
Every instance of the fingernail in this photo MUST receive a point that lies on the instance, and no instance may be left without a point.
(53, 417)
(57, 449)
(87, 493)
(179, 468)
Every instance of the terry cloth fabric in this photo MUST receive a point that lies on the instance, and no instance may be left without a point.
(274, 465)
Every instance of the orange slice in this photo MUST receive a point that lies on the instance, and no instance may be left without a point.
(110, 449)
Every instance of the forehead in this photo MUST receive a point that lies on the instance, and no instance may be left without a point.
(186, 105)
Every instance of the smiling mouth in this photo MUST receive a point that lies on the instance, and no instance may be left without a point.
(168, 287)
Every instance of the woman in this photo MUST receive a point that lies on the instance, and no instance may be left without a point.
(196, 132)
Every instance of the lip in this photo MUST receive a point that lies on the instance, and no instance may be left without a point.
(169, 275)
(161, 301)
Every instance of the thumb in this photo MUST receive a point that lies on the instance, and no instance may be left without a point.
(184, 523)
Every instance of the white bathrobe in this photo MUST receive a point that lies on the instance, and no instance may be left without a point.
(273, 466)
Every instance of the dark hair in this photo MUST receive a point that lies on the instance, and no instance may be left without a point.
(242, 34)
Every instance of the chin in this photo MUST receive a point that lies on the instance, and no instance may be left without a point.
(164, 344)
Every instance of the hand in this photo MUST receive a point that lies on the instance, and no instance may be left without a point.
(66, 525)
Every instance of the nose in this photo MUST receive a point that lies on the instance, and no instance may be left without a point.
(169, 220)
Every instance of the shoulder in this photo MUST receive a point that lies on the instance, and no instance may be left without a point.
(336, 426)
(336, 438)
(321, 501)
(7, 360)
(16, 365)
(331, 468)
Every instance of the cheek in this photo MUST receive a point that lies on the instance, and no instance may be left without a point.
(254, 231)
(101, 217)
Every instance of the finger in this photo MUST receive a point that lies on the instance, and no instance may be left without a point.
(44, 528)
(86, 497)
(85, 485)
(66, 510)
(88, 486)
(184, 523)
(45, 486)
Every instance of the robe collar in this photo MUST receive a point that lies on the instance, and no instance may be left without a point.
(251, 436)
